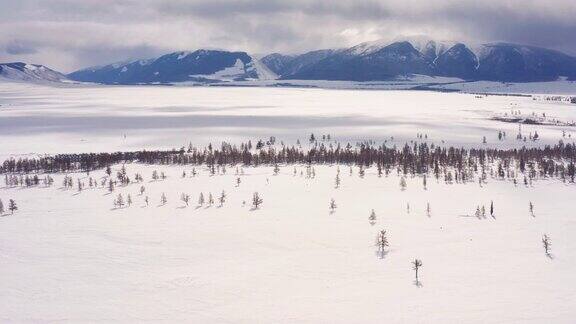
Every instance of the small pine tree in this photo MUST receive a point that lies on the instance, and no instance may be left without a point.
(428, 210)
(337, 181)
(403, 183)
(238, 182)
(210, 199)
(12, 206)
(492, 208)
(142, 189)
(546, 243)
(372, 217)
(381, 243)
(163, 199)
(332, 205)
(147, 201)
(129, 200)
(201, 199)
(119, 201)
(1, 207)
(276, 169)
(531, 208)
(185, 198)
(222, 198)
(256, 200)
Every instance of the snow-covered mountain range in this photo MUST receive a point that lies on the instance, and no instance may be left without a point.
(386, 60)
(371, 61)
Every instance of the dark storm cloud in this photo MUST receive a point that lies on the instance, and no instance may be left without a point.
(68, 34)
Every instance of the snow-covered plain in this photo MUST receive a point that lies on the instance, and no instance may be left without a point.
(69, 256)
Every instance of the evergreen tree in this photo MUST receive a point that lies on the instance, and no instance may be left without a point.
(1, 207)
(492, 208)
(222, 198)
(256, 200)
(185, 198)
(201, 199)
(382, 243)
(546, 243)
(12, 206)
(372, 217)
(332, 205)
(163, 199)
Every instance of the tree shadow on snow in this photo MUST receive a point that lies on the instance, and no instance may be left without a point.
(381, 254)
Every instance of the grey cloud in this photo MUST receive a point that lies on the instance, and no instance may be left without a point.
(69, 34)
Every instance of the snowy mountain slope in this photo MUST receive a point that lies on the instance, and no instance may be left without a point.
(197, 66)
(22, 72)
(284, 65)
(384, 60)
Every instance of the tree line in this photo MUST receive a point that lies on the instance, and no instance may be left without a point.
(451, 163)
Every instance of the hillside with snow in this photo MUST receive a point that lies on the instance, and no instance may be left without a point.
(35, 73)
(201, 66)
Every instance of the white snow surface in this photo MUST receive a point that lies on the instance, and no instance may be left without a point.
(70, 257)
(39, 119)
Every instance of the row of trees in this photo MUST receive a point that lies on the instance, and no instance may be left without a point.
(456, 164)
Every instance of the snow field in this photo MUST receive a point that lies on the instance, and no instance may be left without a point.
(71, 257)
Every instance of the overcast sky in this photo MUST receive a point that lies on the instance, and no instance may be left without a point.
(70, 34)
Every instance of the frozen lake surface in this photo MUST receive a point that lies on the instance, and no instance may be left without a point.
(37, 119)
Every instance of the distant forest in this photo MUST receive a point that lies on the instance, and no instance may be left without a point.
(449, 163)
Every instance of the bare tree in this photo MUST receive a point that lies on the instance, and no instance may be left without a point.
(256, 200)
(416, 264)
(546, 243)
